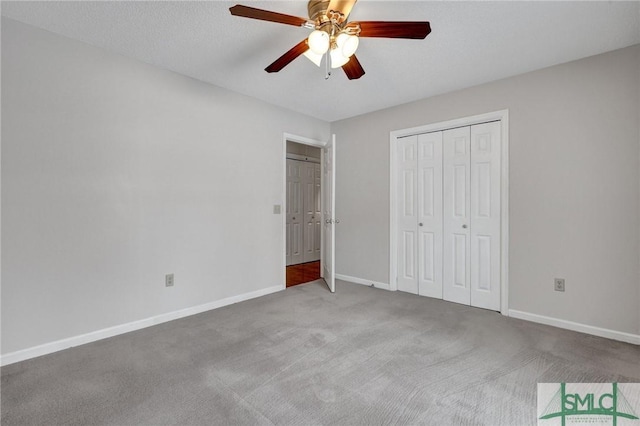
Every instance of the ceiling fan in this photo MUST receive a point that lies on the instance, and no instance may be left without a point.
(333, 36)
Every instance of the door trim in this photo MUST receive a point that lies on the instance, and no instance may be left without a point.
(503, 117)
(283, 211)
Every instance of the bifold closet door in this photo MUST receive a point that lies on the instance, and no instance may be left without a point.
(407, 214)
(294, 250)
(420, 214)
(457, 183)
(485, 215)
(312, 212)
(471, 174)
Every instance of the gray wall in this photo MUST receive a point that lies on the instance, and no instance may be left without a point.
(115, 173)
(574, 186)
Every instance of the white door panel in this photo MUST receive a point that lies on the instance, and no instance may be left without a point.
(429, 214)
(312, 212)
(485, 215)
(329, 178)
(317, 211)
(294, 249)
(308, 210)
(456, 183)
(407, 214)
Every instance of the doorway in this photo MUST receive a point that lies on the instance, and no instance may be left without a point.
(303, 213)
(325, 216)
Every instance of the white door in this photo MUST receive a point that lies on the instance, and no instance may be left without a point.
(420, 214)
(407, 214)
(317, 224)
(456, 244)
(294, 250)
(429, 253)
(328, 184)
(312, 212)
(485, 215)
(448, 213)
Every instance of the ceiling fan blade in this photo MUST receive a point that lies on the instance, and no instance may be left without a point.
(342, 6)
(265, 15)
(400, 29)
(353, 69)
(286, 59)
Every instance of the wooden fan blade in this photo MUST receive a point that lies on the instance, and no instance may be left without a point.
(286, 59)
(265, 15)
(400, 29)
(353, 69)
(342, 6)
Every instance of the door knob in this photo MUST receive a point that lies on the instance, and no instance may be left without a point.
(464, 226)
(337, 220)
(293, 218)
(420, 224)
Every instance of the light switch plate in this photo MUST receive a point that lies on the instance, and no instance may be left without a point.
(276, 209)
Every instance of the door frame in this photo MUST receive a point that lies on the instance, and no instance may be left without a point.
(503, 117)
(288, 137)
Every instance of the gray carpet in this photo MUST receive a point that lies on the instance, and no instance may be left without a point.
(305, 356)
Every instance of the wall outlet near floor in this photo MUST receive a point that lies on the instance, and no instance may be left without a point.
(558, 284)
(168, 280)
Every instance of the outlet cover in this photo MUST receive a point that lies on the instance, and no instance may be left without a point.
(558, 284)
(168, 280)
(276, 209)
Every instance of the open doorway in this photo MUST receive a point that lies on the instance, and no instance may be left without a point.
(303, 213)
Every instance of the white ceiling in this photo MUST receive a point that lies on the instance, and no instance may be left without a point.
(471, 43)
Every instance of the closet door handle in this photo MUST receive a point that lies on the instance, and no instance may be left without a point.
(464, 226)
(420, 224)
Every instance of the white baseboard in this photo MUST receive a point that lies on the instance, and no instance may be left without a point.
(362, 281)
(575, 326)
(59, 345)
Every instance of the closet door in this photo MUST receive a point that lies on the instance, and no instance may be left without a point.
(429, 184)
(317, 210)
(407, 213)
(456, 244)
(312, 213)
(485, 215)
(294, 249)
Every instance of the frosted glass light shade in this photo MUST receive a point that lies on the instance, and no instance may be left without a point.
(337, 58)
(313, 57)
(348, 44)
(318, 42)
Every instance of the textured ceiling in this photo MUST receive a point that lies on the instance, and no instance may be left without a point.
(471, 43)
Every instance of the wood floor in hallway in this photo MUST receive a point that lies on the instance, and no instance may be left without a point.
(303, 273)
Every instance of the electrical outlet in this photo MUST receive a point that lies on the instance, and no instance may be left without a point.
(558, 284)
(168, 280)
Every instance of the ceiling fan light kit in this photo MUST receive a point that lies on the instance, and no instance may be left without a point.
(319, 42)
(316, 58)
(348, 44)
(333, 36)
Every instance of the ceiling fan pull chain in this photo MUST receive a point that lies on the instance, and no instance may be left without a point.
(326, 66)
